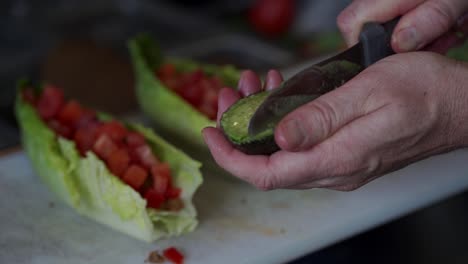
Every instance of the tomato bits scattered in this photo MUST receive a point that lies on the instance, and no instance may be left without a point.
(195, 87)
(126, 153)
(174, 255)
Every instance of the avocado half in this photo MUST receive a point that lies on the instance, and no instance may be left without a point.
(323, 78)
(235, 123)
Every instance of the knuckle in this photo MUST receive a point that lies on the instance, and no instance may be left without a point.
(323, 116)
(442, 13)
(264, 183)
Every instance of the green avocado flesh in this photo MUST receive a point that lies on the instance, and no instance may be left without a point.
(235, 124)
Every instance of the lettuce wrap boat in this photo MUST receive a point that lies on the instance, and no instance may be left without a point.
(175, 108)
(81, 178)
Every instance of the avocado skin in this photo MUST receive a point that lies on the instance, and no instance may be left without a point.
(264, 146)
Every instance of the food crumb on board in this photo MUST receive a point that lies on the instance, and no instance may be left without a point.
(155, 257)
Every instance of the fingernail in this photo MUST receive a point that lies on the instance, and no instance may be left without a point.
(408, 39)
(293, 133)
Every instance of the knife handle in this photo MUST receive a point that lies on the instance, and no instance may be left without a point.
(376, 41)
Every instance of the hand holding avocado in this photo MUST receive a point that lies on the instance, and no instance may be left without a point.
(401, 110)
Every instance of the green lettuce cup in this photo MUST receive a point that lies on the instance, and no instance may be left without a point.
(169, 112)
(86, 184)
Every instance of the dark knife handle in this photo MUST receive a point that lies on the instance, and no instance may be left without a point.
(376, 41)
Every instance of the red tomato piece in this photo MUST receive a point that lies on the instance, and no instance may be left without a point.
(87, 117)
(60, 129)
(166, 71)
(85, 137)
(216, 83)
(193, 77)
(154, 200)
(50, 102)
(135, 139)
(161, 177)
(70, 113)
(114, 129)
(173, 193)
(135, 176)
(118, 162)
(146, 157)
(174, 255)
(192, 93)
(28, 96)
(104, 146)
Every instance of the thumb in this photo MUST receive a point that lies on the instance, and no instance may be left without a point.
(314, 122)
(426, 23)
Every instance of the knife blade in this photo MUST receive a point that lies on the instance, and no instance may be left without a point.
(324, 76)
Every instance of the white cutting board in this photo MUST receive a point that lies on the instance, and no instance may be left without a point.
(238, 224)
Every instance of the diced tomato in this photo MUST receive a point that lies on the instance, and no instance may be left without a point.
(216, 83)
(193, 77)
(174, 255)
(118, 162)
(29, 96)
(87, 117)
(60, 129)
(135, 176)
(166, 71)
(173, 193)
(50, 102)
(135, 139)
(153, 199)
(85, 137)
(70, 113)
(192, 93)
(161, 177)
(146, 157)
(104, 146)
(114, 129)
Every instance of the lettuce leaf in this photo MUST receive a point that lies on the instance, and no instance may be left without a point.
(165, 108)
(85, 183)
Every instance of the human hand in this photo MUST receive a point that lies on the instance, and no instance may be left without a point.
(402, 109)
(423, 22)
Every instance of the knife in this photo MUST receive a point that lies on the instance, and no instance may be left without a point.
(316, 80)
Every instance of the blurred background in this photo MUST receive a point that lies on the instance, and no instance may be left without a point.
(80, 45)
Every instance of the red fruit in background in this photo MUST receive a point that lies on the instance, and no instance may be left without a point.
(271, 17)
(50, 102)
